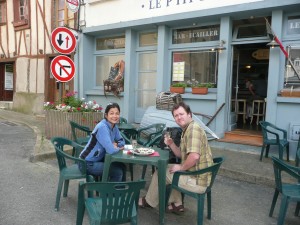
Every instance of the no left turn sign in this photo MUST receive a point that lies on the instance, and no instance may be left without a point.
(62, 68)
(63, 40)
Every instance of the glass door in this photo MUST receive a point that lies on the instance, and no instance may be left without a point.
(146, 83)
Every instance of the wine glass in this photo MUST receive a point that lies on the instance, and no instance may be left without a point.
(167, 134)
(134, 146)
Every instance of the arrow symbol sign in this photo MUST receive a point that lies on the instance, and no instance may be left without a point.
(59, 40)
(67, 44)
(63, 40)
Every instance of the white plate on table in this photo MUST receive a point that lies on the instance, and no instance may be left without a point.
(143, 151)
(128, 147)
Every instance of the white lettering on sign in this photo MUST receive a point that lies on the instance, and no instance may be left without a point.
(295, 25)
(159, 4)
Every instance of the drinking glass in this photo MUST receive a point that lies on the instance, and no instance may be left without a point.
(134, 146)
(167, 134)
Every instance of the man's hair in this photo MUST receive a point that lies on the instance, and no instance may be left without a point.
(183, 105)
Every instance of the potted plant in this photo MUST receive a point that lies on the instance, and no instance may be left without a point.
(202, 88)
(178, 87)
(58, 115)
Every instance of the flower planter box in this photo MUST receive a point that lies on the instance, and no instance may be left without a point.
(290, 93)
(179, 90)
(57, 122)
(200, 90)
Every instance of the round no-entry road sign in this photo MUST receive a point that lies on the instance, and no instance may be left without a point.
(63, 40)
(73, 5)
(62, 68)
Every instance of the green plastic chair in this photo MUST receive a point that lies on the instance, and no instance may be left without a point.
(67, 171)
(109, 202)
(150, 135)
(200, 197)
(273, 135)
(289, 192)
(122, 120)
(80, 129)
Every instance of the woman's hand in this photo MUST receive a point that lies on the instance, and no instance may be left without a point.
(116, 146)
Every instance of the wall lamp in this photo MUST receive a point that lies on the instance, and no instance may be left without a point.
(273, 44)
(220, 47)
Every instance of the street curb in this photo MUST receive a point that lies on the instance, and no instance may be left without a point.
(245, 177)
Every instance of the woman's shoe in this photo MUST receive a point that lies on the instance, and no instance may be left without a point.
(175, 209)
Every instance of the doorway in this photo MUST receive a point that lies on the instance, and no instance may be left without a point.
(249, 85)
(6, 81)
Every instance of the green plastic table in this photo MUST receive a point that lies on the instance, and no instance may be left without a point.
(160, 162)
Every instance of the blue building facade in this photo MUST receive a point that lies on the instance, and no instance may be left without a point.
(166, 42)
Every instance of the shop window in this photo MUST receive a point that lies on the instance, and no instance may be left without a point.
(292, 73)
(62, 16)
(110, 43)
(148, 39)
(147, 73)
(250, 28)
(195, 65)
(103, 64)
(21, 14)
(2, 12)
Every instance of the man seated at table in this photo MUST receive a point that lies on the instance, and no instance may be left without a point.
(195, 154)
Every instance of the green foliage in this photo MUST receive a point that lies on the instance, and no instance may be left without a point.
(70, 103)
(180, 84)
(208, 85)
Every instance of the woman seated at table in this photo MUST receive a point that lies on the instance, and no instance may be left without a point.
(105, 139)
(195, 154)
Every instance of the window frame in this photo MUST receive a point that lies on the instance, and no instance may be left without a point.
(18, 23)
(294, 80)
(3, 8)
(216, 58)
(68, 16)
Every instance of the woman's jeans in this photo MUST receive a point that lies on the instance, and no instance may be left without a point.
(117, 172)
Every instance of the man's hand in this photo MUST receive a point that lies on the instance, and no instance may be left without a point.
(168, 141)
(175, 168)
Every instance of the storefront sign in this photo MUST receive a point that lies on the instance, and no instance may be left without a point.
(261, 54)
(161, 4)
(293, 25)
(110, 43)
(198, 34)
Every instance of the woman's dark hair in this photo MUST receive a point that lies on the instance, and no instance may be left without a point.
(183, 105)
(110, 106)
